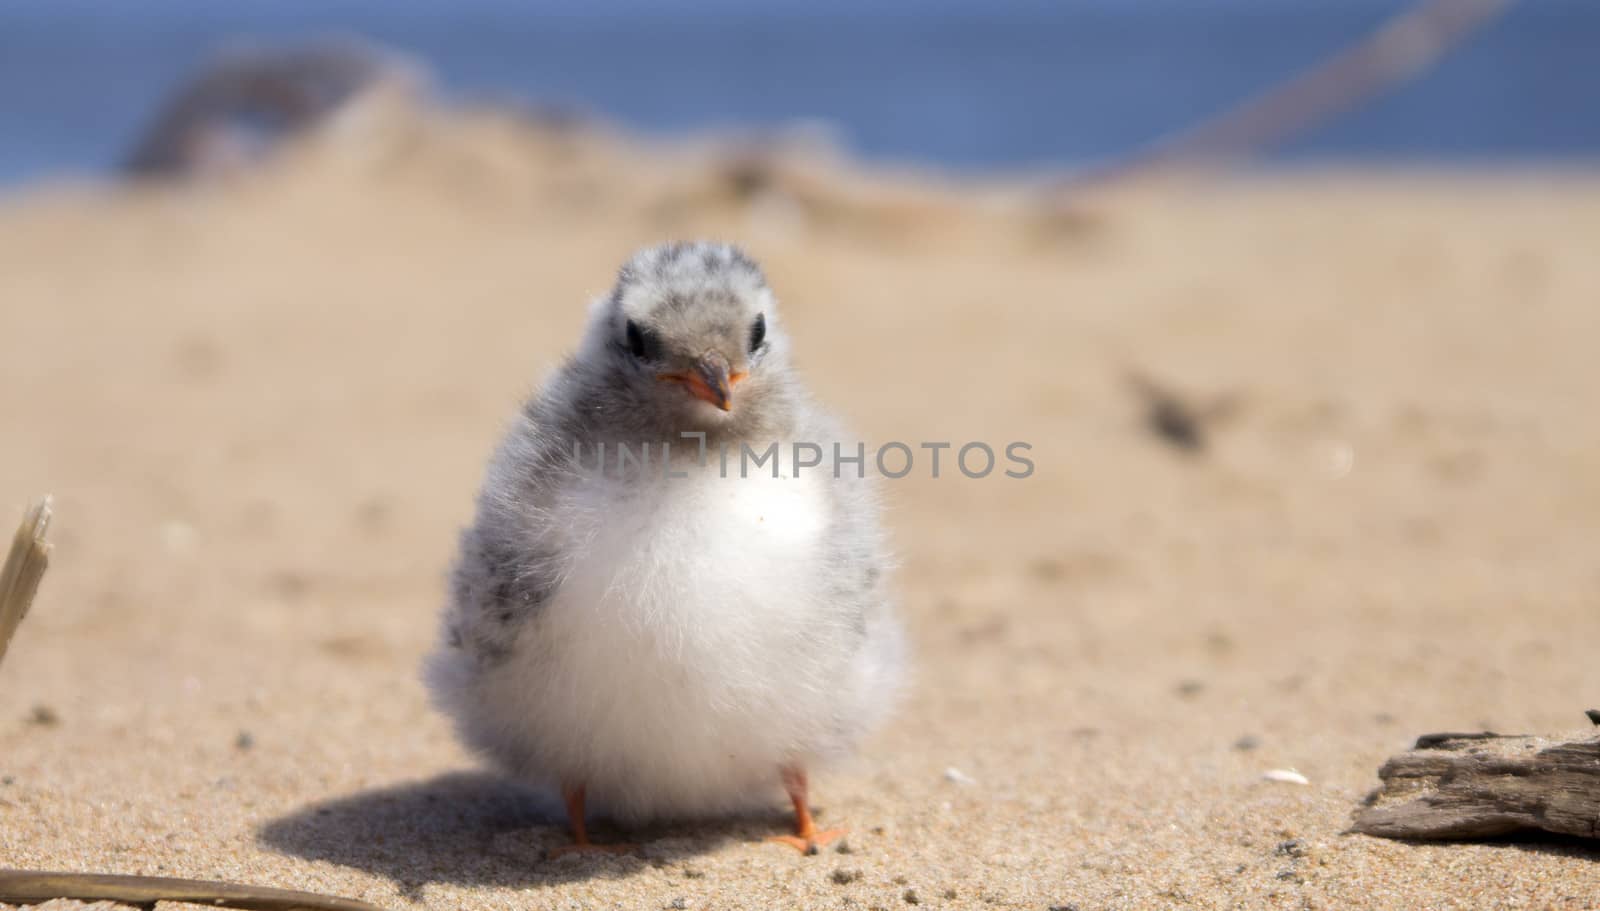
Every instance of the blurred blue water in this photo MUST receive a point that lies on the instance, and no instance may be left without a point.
(965, 86)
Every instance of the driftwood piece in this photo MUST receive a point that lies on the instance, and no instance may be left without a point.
(24, 567)
(27, 887)
(1460, 786)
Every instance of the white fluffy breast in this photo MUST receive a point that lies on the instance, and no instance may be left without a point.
(683, 658)
(703, 555)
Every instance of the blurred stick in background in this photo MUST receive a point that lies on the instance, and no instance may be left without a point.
(1398, 50)
(24, 567)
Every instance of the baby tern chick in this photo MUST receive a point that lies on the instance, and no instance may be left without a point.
(642, 617)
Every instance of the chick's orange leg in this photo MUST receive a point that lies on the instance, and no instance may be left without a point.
(807, 838)
(580, 830)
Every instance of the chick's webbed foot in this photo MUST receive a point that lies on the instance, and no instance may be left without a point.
(807, 838)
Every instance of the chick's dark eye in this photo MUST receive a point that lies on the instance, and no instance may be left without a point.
(758, 332)
(639, 341)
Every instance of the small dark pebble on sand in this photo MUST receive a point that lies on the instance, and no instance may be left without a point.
(678, 904)
(843, 847)
(1067, 907)
(244, 741)
(44, 716)
(1247, 743)
(1294, 847)
(845, 876)
(911, 897)
(1594, 716)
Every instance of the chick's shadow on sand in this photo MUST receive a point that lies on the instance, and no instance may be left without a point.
(477, 829)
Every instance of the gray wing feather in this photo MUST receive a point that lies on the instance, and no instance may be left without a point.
(856, 552)
(508, 565)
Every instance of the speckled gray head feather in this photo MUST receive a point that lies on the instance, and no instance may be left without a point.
(674, 309)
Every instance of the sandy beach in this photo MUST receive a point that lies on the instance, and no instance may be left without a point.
(262, 404)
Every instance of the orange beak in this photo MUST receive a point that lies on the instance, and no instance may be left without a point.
(709, 381)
